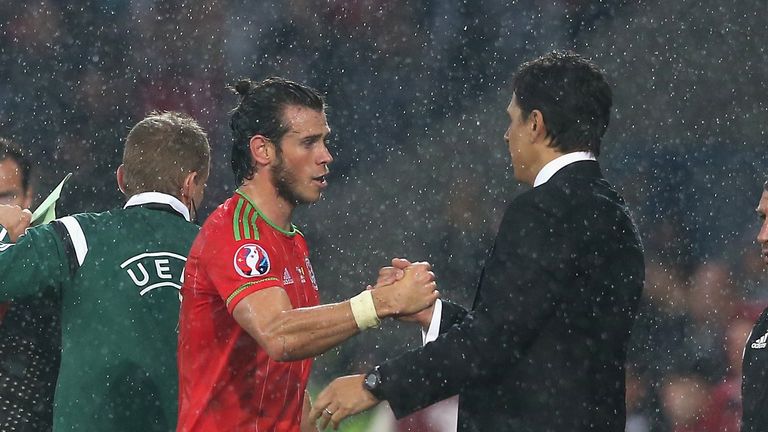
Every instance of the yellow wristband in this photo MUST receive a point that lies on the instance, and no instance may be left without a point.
(364, 310)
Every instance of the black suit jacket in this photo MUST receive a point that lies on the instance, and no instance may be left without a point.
(544, 346)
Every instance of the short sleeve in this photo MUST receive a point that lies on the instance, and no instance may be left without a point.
(240, 268)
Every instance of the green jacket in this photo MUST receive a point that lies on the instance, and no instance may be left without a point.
(119, 274)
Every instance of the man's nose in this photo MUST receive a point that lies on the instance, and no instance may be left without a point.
(325, 156)
(762, 235)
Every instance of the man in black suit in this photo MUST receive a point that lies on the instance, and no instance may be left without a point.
(544, 346)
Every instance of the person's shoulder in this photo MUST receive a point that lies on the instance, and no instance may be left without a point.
(236, 221)
(221, 221)
(547, 197)
(556, 201)
(299, 238)
(297, 232)
(89, 220)
(762, 319)
(90, 217)
(134, 219)
(574, 191)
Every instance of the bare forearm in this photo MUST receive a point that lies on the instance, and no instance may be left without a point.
(288, 334)
(306, 332)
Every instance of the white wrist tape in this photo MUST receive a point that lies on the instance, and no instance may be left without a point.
(364, 310)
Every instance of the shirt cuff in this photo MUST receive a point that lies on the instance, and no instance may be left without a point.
(434, 326)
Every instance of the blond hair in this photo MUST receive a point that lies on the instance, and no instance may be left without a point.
(161, 150)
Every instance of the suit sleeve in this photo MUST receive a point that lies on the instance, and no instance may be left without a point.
(521, 287)
(452, 314)
(35, 262)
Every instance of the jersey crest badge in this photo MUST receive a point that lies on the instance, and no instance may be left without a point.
(251, 261)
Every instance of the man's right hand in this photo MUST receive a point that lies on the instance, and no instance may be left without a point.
(15, 220)
(415, 292)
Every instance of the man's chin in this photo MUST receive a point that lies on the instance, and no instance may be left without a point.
(312, 200)
(306, 199)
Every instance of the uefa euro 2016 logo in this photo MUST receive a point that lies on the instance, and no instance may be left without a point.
(251, 260)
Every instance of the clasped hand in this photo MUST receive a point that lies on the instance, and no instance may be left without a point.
(395, 273)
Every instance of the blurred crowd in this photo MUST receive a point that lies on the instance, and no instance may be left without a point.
(687, 344)
(417, 92)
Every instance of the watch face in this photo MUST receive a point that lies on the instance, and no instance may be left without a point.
(371, 380)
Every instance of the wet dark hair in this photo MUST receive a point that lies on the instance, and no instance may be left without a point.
(9, 150)
(573, 96)
(260, 112)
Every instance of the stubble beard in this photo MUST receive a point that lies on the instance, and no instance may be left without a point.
(284, 181)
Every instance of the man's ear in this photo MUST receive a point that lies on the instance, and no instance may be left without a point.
(121, 178)
(189, 185)
(261, 149)
(189, 180)
(537, 124)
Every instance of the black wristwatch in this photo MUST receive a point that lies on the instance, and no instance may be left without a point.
(372, 380)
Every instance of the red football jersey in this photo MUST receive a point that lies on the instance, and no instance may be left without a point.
(226, 380)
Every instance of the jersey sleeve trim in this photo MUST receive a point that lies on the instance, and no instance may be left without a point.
(69, 248)
(77, 238)
(244, 287)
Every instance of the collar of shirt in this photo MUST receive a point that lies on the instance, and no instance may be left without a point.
(159, 198)
(558, 163)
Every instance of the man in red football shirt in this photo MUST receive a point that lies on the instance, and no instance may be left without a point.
(250, 321)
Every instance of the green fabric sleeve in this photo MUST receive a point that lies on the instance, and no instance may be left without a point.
(35, 262)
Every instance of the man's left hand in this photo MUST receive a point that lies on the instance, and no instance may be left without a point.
(342, 398)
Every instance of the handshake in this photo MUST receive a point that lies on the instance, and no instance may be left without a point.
(405, 290)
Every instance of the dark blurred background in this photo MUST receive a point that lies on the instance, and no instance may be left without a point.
(417, 93)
